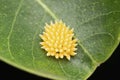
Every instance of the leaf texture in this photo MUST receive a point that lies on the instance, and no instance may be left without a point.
(96, 24)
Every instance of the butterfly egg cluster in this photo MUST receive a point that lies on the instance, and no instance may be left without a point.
(58, 40)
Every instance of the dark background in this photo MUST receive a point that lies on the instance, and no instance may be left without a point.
(110, 70)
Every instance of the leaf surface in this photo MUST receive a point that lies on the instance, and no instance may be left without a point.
(96, 24)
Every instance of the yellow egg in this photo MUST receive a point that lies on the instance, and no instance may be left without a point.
(58, 40)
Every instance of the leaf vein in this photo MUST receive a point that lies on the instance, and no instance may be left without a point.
(99, 16)
(107, 33)
(63, 70)
(12, 26)
(33, 58)
(47, 9)
(88, 54)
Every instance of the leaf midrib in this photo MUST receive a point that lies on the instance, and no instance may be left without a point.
(48, 10)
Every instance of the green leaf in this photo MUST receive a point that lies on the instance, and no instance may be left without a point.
(96, 24)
